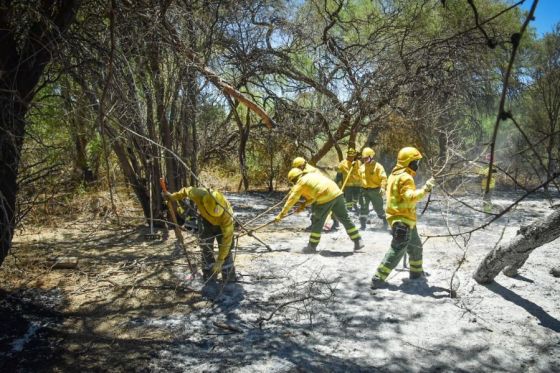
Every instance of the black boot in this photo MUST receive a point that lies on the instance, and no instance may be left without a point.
(310, 249)
(416, 275)
(363, 222)
(377, 283)
(229, 276)
(358, 244)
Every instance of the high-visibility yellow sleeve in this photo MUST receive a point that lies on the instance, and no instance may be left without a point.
(227, 238)
(181, 194)
(409, 192)
(293, 197)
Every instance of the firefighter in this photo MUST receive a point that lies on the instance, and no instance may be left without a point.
(374, 182)
(216, 223)
(352, 189)
(301, 163)
(402, 197)
(323, 195)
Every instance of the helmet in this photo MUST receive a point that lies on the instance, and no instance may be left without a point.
(214, 203)
(351, 152)
(294, 174)
(298, 162)
(368, 153)
(407, 155)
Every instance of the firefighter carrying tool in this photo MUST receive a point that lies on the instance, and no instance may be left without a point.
(216, 224)
(323, 195)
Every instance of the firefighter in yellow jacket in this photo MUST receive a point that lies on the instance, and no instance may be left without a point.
(402, 197)
(350, 168)
(216, 223)
(323, 195)
(301, 163)
(374, 182)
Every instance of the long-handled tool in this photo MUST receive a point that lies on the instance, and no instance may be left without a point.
(180, 240)
(250, 231)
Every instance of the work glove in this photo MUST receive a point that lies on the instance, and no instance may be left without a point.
(279, 217)
(217, 267)
(429, 184)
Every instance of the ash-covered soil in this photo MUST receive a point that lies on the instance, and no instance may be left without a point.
(131, 304)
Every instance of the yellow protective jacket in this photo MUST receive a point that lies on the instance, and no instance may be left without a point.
(402, 196)
(308, 168)
(225, 220)
(346, 167)
(373, 175)
(315, 188)
(483, 172)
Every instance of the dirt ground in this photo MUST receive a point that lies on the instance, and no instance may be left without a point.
(130, 305)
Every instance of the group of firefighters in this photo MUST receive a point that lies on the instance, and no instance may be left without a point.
(360, 182)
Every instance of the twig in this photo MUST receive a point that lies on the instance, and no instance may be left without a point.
(223, 325)
(505, 211)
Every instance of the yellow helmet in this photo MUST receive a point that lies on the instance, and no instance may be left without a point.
(407, 155)
(294, 174)
(351, 152)
(368, 152)
(214, 203)
(298, 162)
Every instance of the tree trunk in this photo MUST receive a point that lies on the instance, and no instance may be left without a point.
(271, 174)
(79, 133)
(511, 255)
(12, 125)
(345, 123)
(191, 116)
(22, 61)
(243, 139)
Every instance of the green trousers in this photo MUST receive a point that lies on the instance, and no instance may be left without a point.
(209, 233)
(320, 214)
(352, 196)
(371, 195)
(405, 239)
(487, 201)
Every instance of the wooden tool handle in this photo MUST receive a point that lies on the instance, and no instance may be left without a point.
(163, 184)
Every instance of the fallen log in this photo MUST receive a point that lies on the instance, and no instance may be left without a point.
(511, 256)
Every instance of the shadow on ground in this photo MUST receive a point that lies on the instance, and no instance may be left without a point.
(544, 318)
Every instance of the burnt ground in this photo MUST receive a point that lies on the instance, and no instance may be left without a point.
(130, 305)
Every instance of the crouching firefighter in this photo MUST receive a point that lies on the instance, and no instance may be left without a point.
(216, 223)
(301, 163)
(402, 197)
(323, 195)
